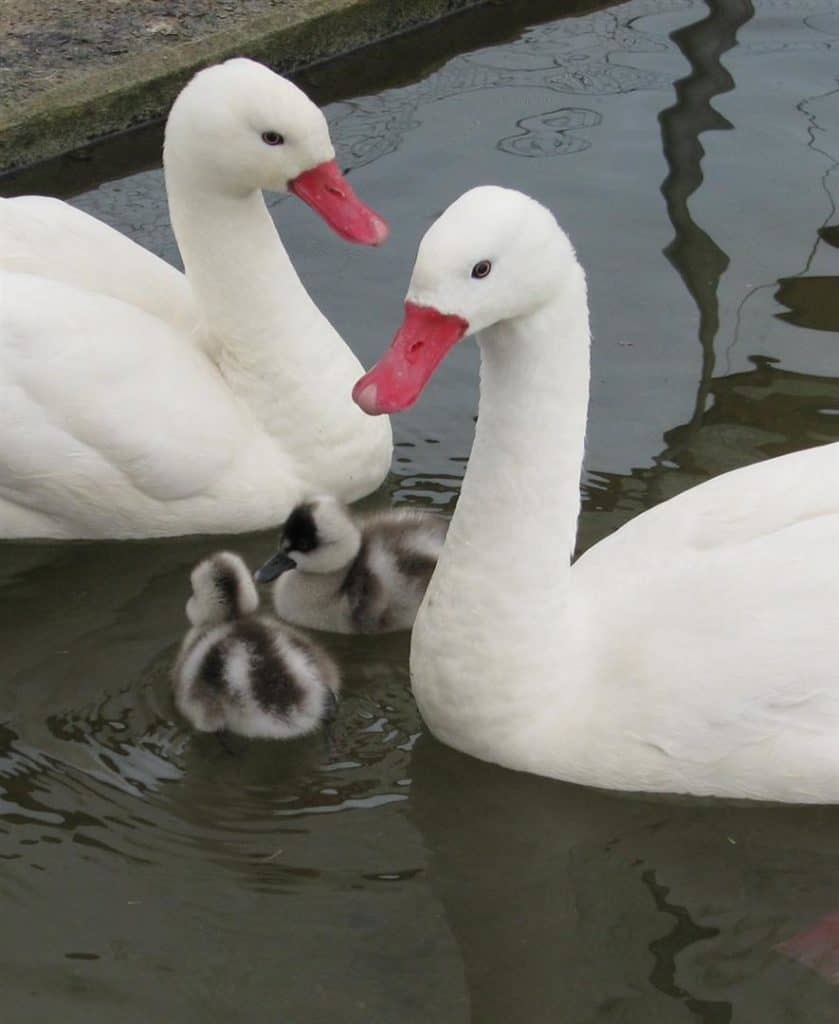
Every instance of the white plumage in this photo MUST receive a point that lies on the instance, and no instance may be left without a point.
(138, 401)
(245, 672)
(695, 650)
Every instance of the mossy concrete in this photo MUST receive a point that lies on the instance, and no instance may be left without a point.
(123, 64)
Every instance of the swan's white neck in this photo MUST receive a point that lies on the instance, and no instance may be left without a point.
(269, 337)
(502, 582)
(520, 499)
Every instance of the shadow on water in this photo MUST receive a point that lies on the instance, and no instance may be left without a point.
(743, 417)
(577, 905)
(746, 417)
(813, 301)
(697, 258)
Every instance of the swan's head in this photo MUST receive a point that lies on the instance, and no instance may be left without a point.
(494, 254)
(238, 127)
(222, 590)
(319, 536)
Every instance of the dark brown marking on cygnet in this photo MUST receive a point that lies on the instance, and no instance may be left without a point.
(273, 684)
(354, 576)
(226, 583)
(364, 592)
(300, 532)
(319, 660)
(211, 670)
(416, 565)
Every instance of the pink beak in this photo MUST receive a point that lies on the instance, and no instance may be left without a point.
(417, 349)
(327, 191)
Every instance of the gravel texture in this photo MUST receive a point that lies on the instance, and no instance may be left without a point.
(75, 70)
(48, 43)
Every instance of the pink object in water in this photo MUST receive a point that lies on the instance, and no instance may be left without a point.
(817, 947)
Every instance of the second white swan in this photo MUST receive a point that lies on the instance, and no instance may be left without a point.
(136, 401)
(695, 650)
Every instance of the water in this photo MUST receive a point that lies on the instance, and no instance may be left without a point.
(691, 151)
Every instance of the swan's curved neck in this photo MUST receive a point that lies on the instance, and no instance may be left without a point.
(269, 337)
(498, 608)
(518, 508)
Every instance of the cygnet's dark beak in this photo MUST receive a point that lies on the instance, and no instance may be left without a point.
(274, 567)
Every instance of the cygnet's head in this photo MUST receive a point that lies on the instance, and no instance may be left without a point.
(238, 127)
(495, 254)
(222, 590)
(319, 536)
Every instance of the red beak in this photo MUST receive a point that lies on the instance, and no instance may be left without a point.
(327, 191)
(417, 349)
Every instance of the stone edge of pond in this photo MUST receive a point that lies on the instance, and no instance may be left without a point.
(142, 88)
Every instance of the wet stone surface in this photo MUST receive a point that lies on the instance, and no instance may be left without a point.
(47, 43)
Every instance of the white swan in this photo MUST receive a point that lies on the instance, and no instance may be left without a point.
(135, 401)
(696, 649)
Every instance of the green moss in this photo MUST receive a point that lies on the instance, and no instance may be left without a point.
(141, 88)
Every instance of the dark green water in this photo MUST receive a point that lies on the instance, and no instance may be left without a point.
(692, 152)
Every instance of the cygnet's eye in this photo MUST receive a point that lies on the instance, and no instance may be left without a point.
(272, 139)
(481, 269)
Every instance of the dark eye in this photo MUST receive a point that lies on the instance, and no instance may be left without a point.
(481, 269)
(272, 139)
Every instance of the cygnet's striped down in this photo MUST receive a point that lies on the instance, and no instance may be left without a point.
(346, 575)
(243, 671)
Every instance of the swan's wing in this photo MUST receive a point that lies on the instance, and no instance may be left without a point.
(719, 612)
(729, 510)
(49, 238)
(746, 639)
(102, 402)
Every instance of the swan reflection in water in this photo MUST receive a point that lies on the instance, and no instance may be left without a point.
(574, 904)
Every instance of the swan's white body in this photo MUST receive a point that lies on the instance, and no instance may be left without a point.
(137, 401)
(695, 650)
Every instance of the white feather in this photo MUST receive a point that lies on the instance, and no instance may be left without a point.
(136, 401)
(695, 650)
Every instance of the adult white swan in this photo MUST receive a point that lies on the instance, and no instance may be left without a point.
(135, 401)
(695, 650)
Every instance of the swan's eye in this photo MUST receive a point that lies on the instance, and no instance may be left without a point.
(272, 139)
(481, 269)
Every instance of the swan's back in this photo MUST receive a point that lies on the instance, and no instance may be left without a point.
(132, 447)
(710, 624)
(49, 238)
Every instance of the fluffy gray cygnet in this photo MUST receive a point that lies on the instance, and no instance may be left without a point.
(346, 575)
(245, 672)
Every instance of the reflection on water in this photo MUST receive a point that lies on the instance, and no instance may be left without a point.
(811, 301)
(745, 417)
(579, 905)
(698, 259)
(152, 875)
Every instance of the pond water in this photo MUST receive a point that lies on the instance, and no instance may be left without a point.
(692, 153)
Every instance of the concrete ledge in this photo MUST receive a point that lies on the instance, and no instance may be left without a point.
(141, 87)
